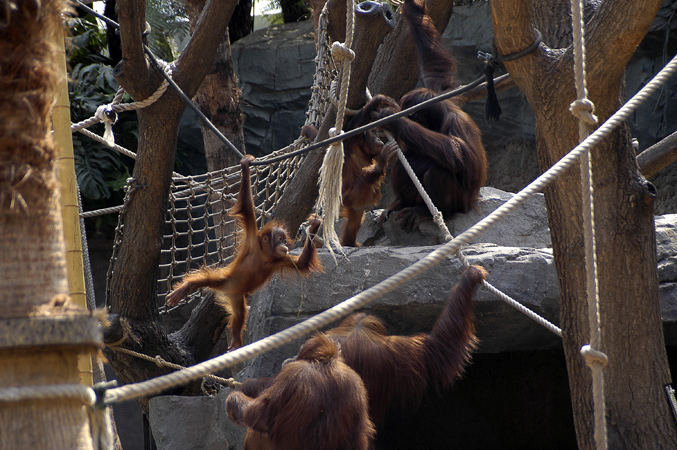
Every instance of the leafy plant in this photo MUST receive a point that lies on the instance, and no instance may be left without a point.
(99, 170)
(169, 28)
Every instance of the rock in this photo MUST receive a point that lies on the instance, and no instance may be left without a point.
(666, 245)
(187, 422)
(275, 67)
(527, 226)
(526, 274)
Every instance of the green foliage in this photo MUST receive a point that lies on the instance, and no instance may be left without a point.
(100, 171)
(169, 28)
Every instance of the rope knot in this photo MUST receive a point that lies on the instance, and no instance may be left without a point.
(333, 132)
(107, 115)
(160, 361)
(584, 110)
(594, 357)
(342, 52)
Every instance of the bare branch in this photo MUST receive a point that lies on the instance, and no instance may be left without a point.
(658, 156)
(614, 33)
(514, 32)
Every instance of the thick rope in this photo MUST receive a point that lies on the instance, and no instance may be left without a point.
(113, 146)
(439, 220)
(330, 180)
(311, 324)
(161, 362)
(108, 113)
(583, 109)
(99, 420)
(84, 394)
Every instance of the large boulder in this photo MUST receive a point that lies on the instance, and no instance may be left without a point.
(527, 273)
(183, 423)
(275, 67)
(527, 227)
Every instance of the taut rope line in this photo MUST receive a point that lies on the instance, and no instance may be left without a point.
(249, 351)
(439, 220)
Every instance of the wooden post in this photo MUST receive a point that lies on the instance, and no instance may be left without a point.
(65, 172)
(42, 332)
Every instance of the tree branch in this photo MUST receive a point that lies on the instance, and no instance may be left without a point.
(513, 32)
(198, 56)
(397, 53)
(658, 156)
(616, 30)
(133, 72)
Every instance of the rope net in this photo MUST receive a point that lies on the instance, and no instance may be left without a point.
(198, 230)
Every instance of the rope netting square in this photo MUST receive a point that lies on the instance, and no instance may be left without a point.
(198, 230)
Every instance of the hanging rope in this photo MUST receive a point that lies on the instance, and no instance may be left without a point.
(447, 236)
(583, 109)
(330, 181)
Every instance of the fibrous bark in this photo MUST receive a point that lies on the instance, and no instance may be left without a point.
(636, 407)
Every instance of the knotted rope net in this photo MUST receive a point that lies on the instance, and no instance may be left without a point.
(198, 230)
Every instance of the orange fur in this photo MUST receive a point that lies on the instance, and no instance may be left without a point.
(260, 254)
(315, 402)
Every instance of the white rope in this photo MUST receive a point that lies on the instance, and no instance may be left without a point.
(439, 220)
(276, 340)
(108, 113)
(113, 146)
(84, 394)
(583, 109)
(330, 180)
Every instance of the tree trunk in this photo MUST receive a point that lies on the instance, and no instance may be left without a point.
(133, 281)
(38, 346)
(397, 73)
(370, 28)
(637, 412)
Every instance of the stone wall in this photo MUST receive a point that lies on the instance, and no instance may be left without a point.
(275, 67)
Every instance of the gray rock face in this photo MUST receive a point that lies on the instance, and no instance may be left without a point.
(184, 423)
(527, 225)
(666, 244)
(275, 67)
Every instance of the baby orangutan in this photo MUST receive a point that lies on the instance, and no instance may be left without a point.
(260, 254)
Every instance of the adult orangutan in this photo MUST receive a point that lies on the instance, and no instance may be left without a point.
(441, 142)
